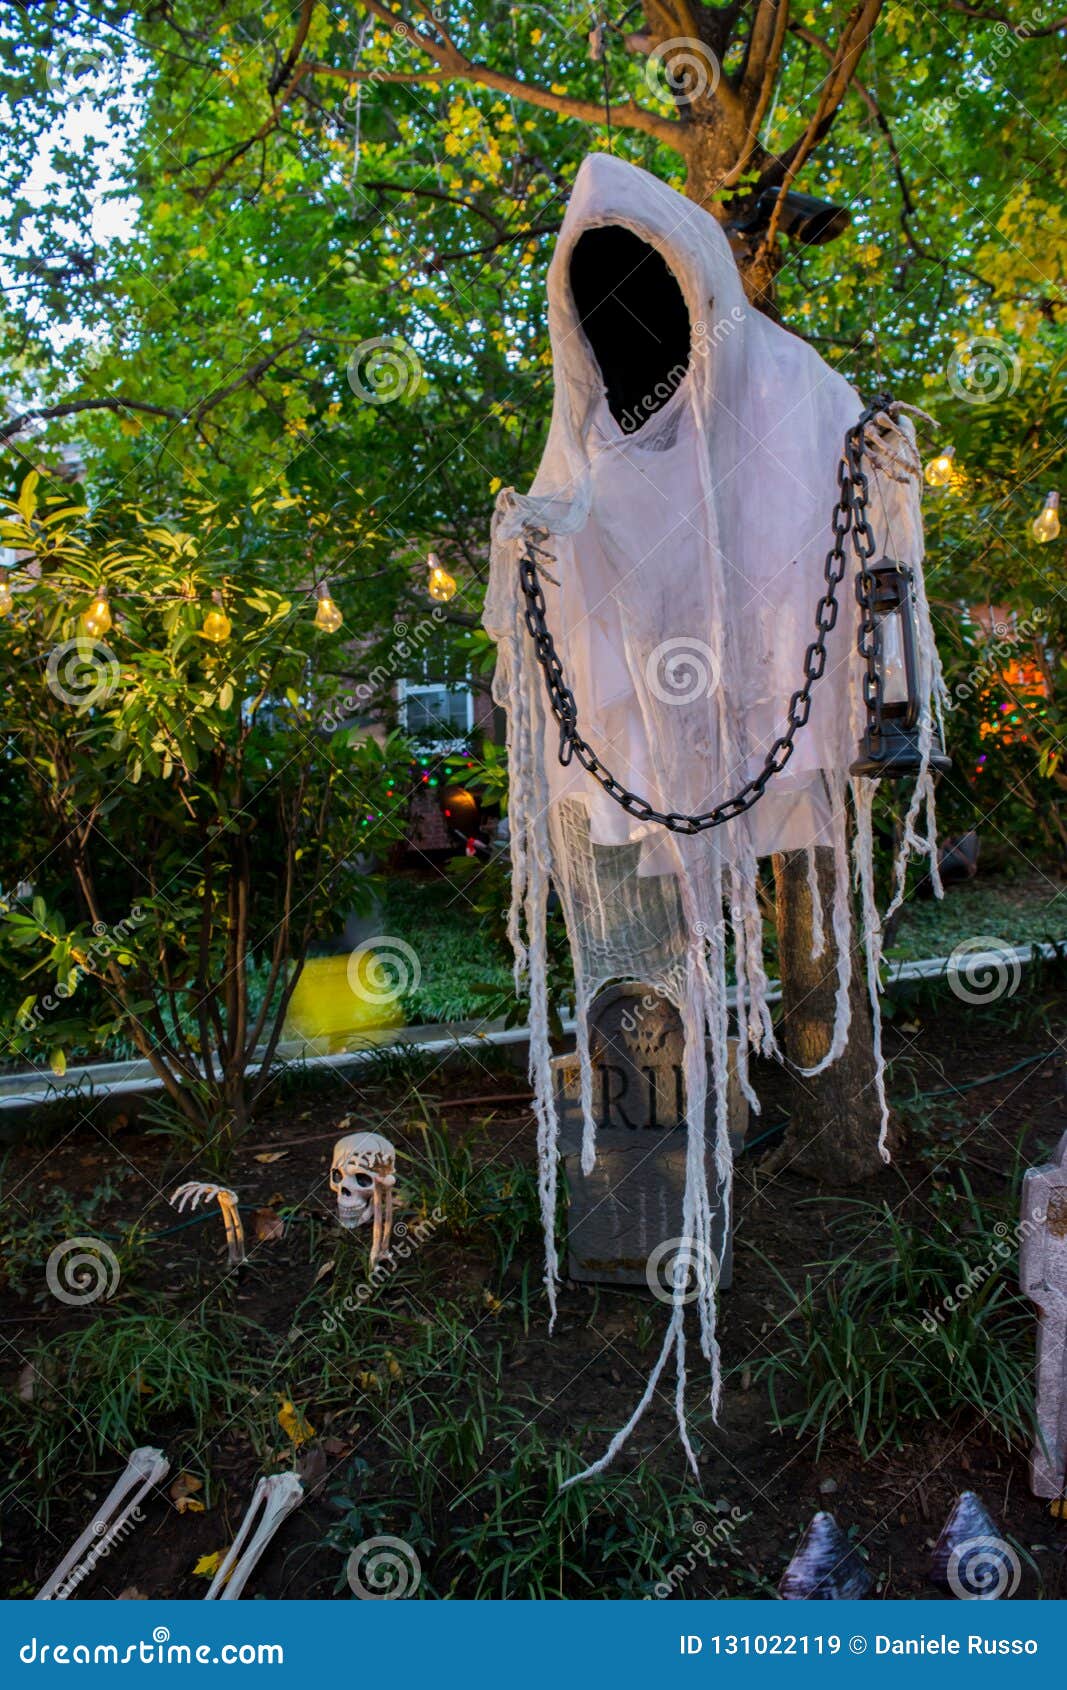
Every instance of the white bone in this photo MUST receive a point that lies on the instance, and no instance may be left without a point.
(145, 1468)
(279, 1494)
(194, 1191)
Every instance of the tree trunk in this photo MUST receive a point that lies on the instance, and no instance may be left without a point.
(834, 1117)
(710, 153)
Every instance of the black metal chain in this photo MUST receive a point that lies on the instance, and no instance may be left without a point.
(849, 517)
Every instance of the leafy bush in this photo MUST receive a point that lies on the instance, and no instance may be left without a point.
(930, 1327)
(174, 796)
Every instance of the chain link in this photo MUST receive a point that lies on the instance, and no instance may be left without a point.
(849, 519)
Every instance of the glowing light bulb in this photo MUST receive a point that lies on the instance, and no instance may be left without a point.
(217, 624)
(97, 619)
(1046, 525)
(7, 603)
(327, 615)
(440, 585)
(940, 470)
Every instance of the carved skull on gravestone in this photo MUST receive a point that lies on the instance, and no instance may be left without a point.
(362, 1176)
(650, 1027)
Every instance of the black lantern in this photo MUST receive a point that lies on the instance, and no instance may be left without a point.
(809, 221)
(886, 594)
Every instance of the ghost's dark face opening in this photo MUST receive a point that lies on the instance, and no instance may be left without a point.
(631, 307)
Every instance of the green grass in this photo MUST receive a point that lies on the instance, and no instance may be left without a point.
(127, 1377)
(465, 973)
(918, 1321)
(1016, 913)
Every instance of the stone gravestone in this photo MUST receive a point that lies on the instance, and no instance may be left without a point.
(632, 1200)
(1043, 1273)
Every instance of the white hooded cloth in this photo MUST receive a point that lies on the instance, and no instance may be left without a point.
(689, 522)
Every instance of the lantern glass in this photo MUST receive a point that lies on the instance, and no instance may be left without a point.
(893, 661)
(891, 742)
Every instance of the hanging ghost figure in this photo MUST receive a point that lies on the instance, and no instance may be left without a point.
(682, 511)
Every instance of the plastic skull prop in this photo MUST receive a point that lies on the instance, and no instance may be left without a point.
(362, 1179)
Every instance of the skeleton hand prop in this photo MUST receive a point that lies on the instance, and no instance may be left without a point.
(362, 1177)
(193, 1192)
(146, 1467)
(278, 1495)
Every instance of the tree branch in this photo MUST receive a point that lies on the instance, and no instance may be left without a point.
(119, 403)
(454, 66)
(1021, 32)
(855, 34)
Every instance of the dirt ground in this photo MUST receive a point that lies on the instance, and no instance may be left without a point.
(584, 1379)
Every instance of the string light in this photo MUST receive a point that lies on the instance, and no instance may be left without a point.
(440, 584)
(7, 603)
(941, 470)
(327, 615)
(97, 619)
(1046, 525)
(217, 624)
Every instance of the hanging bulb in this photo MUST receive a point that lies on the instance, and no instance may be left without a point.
(440, 585)
(217, 624)
(327, 615)
(940, 470)
(7, 603)
(97, 619)
(1046, 525)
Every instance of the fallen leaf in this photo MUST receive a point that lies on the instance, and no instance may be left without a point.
(327, 1267)
(183, 1493)
(268, 1226)
(311, 1465)
(131, 1594)
(335, 1446)
(270, 1155)
(1058, 1509)
(293, 1423)
(208, 1565)
(186, 1484)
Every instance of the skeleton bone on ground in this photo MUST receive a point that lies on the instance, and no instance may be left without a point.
(277, 1495)
(145, 1468)
(362, 1177)
(194, 1192)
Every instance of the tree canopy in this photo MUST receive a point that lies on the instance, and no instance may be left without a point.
(334, 222)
